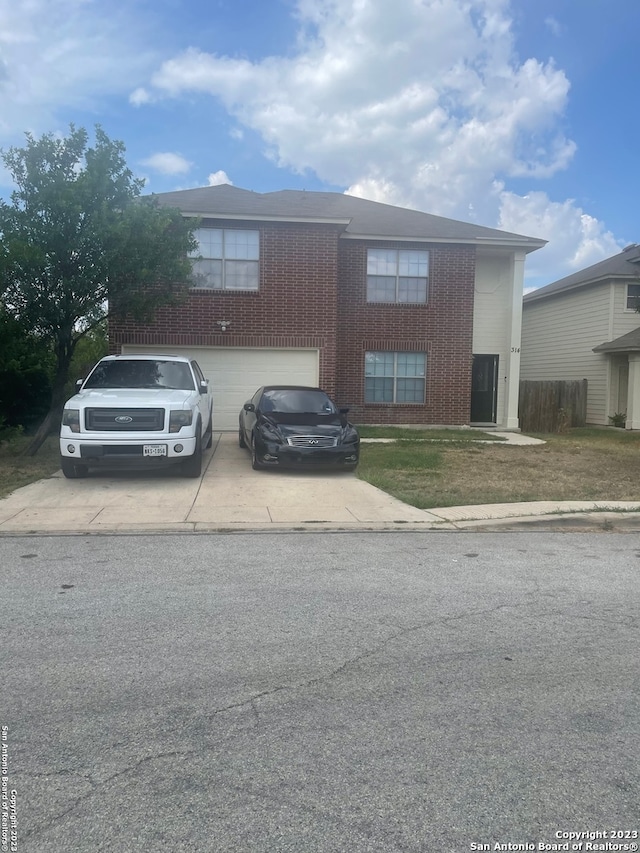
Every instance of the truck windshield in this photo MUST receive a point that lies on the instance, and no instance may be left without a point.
(141, 373)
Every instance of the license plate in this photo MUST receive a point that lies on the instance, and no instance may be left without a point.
(154, 449)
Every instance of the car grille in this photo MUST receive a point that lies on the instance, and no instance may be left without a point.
(125, 420)
(312, 441)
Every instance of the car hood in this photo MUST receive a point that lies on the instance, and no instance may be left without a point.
(302, 424)
(119, 397)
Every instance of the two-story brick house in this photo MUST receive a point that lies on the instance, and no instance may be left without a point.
(403, 316)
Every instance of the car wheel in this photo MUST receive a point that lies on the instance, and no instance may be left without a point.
(71, 470)
(209, 435)
(241, 442)
(192, 467)
(256, 464)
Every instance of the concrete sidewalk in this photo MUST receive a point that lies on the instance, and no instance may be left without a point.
(232, 497)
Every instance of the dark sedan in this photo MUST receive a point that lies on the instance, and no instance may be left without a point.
(292, 426)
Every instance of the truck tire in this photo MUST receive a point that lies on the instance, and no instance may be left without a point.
(71, 470)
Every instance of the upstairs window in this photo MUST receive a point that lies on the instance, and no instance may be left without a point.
(633, 297)
(394, 377)
(226, 259)
(397, 275)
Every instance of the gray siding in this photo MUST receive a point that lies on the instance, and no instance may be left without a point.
(558, 335)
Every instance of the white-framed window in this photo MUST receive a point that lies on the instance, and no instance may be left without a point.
(226, 259)
(397, 275)
(633, 297)
(395, 377)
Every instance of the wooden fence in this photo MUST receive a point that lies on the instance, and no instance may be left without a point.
(552, 406)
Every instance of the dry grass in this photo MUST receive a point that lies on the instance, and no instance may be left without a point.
(584, 464)
(17, 470)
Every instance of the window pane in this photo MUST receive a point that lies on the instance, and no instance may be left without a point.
(378, 364)
(412, 290)
(378, 391)
(413, 264)
(242, 245)
(410, 391)
(411, 364)
(382, 262)
(633, 296)
(381, 289)
(207, 274)
(209, 242)
(241, 275)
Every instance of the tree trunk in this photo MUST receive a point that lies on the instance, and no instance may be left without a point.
(51, 422)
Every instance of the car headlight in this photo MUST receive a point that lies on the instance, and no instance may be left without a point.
(179, 419)
(269, 433)
(71, 419)
(350, 436)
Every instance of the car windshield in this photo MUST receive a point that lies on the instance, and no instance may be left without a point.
(289, 400)
(141, 373)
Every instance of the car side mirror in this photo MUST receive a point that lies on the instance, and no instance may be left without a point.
(79, 384)
(249, 407)
(344, 411)
(204, 387)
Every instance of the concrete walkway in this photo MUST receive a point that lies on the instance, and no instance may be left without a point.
(232, 497)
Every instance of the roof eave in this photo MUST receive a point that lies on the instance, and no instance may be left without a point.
(492, 242)
(263, 217)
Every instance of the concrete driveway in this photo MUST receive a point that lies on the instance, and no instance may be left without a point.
(230, 495)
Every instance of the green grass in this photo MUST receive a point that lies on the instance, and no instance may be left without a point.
(583, 464)
(435, 435)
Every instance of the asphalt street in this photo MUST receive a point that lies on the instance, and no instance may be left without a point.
(399, 692)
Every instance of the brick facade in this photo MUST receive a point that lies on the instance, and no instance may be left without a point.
(313, 294)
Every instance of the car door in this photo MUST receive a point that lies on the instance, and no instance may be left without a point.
(203, 400)
(249, 417)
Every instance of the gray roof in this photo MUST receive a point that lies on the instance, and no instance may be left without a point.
(626, 343)
(356, 217)
(625, 267)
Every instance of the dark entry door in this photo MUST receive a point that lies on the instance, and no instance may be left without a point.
(484, 389)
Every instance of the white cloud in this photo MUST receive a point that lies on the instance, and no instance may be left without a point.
(63, 54)
(576, 240)
(168, 163)
(219, 177)
(419, 104)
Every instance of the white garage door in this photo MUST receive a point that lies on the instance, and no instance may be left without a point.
(236, 373)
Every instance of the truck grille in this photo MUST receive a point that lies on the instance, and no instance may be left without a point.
(312, 441)
(124, 420)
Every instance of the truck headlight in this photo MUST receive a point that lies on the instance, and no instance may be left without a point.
(71, 419)
(179, 419)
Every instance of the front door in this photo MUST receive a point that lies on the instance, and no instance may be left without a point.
(484, 389)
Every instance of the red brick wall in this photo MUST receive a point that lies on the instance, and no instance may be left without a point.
(313, 294)
(296, 304)
(443, 328)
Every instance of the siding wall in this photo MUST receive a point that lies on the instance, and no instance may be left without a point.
(492, 317)
(558, 335)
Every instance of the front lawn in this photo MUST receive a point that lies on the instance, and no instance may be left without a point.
(583, 464)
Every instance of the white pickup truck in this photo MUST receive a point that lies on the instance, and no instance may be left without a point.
(138, 411)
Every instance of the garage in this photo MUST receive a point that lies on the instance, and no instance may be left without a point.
(235, 373)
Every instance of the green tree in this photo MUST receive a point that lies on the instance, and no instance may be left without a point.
(78, 244)
(26, 367)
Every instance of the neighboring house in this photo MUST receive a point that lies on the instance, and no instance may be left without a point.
(585, 326)
(405, 317)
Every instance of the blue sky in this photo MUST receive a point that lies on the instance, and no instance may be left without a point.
(516, 114)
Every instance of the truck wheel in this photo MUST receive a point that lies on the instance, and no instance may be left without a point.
(209, 435)
(71, 470)
(192, 467)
